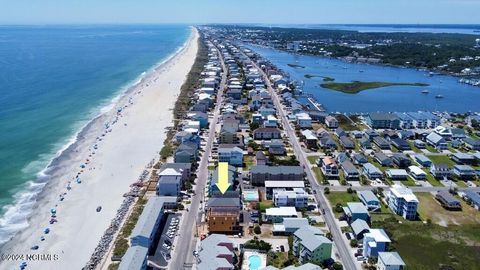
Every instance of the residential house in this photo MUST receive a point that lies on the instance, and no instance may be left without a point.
(383, 159)
(464, 172)
(289, 226)
(216, 253)
(372, 172)
(474, 198)
(331, 122)
(146, 228)
(359, 159)
(347, 143)
(326, 141)
(401, 144)
(365, 144)
(356, 210)
(304, 120)
(201, 117)
(184, 168)
(375, 241)
(329, 168)
(368, 198)
(397, 174)
(270, 186)
(275, 147)
(339, 132)
(403, 202)
(277, 214)
(379, 120)
(270, 122)
(260, 174)
(440, 171)
(310, 139)
(297, 197)
(381, 143)
(423, 160)
(448, 201)
(350, 171)
(463, 158)
(437, 141)
(169, 182)
(266, 133)
(390, 261)
(472, 144)
(232, 155)
(186, 153)
(223, 215)
(419, 144)
(311, 245)
(359, 228)
(417, 173)
(401, 160)
(260, 158)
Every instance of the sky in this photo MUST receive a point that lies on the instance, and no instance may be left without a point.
(240, 11)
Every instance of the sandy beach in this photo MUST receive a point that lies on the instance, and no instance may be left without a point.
(114, 150)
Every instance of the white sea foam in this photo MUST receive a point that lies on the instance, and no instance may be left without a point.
(15, 215)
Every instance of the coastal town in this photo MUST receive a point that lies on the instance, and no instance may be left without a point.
(306, 189)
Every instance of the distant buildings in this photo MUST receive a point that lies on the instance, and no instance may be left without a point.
(403, 202)
(379, 120)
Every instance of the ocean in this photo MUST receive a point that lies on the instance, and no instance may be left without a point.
(53, 81)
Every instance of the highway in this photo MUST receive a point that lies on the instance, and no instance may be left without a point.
(345, 255)
(182, 257)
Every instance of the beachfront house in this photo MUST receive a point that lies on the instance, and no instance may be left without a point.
(169, 182)
(311, 245)
(216, 252)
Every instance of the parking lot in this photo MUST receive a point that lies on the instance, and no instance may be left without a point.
(164, 247)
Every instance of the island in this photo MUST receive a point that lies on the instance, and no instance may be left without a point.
(358, 86)
(295, 66)
(325, 78)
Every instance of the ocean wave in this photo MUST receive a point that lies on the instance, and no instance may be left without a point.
(15, 215)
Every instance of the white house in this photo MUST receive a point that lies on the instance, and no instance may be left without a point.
(304, 120)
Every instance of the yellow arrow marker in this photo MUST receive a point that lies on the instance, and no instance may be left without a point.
(222, 183)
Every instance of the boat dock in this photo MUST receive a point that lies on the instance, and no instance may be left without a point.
(314, 102)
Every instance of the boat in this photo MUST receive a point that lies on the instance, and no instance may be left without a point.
(425, 91)
(438, 96)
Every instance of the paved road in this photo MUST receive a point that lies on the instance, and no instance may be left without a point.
(344, 252)
(182, 257)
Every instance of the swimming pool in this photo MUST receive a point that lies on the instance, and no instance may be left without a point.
(250, 196)
(254, 262)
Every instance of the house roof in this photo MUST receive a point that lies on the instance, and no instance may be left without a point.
(379, 235)
(390, 258)
(133, 258)
(371, 168)
(401, 191)
(276, 169)
(286, 211)
(367, 195)
(416, 170)
(357, 208)
(474, 196)
(349, 167)
(311, 237)
(359, 225)
(284, 184)
(147, 220)
(435, 138)
(295, 222)
(223, 202)
(447, 197)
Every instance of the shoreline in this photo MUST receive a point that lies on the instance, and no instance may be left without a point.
(141, 91)
(31, 191)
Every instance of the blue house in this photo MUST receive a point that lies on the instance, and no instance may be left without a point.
(356, 210)
(376, 240)
(369, 199)
(423, 160)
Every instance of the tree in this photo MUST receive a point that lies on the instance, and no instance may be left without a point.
(350, 190)
(338, 208)
(254, 126)
(326, 190)
(257, 230)
(353, 243)
(337, 266)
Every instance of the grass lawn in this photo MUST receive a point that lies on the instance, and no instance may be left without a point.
(248, 161)
(409, 182)
(312, 159)
(430, 246)
(414, 148)
(434, 182)
(442, 159)
(376, 164)
(358, 86)
(319, 175)
(341, 197)
(430, 208)
(265, 205)
(430, 148)
(345, 123)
